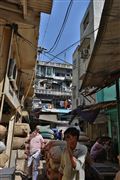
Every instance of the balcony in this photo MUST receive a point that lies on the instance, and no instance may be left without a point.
(53, 76)
(53, 64)
(67, 78)
(53, 92)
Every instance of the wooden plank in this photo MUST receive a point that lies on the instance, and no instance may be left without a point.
(10, 139)
(13, 159)
(24, 3)
(12, 16)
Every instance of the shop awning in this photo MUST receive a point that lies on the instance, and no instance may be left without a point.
(51, 118)
(104, 65)
(48, 117)
(101, 119)
(89, 113)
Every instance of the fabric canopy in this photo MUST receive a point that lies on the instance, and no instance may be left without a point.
(89, 113)
(101, 119)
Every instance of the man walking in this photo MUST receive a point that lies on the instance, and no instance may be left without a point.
(35, 145)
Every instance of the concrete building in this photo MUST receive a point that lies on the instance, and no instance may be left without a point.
(19, 30)
(53, 87)
(88, 32)
(105, 67)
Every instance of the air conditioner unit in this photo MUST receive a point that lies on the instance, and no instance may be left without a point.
(85, 53)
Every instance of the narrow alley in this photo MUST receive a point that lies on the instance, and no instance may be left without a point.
(59, 90)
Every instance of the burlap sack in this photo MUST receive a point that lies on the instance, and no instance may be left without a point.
(21, 129)
(2, 147)
(83, 138)
(52, 175)
(18, 143)
(21, 165)
(3, 159)
(56, 152)
(21, 154)
(54, 166)
(52, 143)
(3, 132)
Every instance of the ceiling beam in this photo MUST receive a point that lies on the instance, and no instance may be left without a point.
(13, 14)
(24, 3)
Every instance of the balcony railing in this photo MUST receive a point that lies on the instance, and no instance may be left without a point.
(52, 76)
(53, 92)
(53, 64)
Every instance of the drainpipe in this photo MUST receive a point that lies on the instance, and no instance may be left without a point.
(118, 112)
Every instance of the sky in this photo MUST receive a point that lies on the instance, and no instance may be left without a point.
(50, 26)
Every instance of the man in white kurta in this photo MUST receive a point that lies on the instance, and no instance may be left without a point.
(73, 158)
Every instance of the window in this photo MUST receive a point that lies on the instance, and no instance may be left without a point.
(86, 21)
(42, 71)
(57, 74)
(49, 71)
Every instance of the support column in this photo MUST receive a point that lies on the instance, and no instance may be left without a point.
(118, 112)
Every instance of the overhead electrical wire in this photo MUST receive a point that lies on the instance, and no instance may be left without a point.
(50, 57)
(62, 27)
(74, 66)
(73, 44)
(44, 52)
(55, 56)
(45, 30)
(58, 59)
(27, 41)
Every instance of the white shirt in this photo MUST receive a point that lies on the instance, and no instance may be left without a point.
(69, 173)
(36, 143)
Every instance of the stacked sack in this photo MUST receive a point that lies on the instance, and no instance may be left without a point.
(83, 138)
(46, 132)
(3, 156)
(21, 134)
(53, 152)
